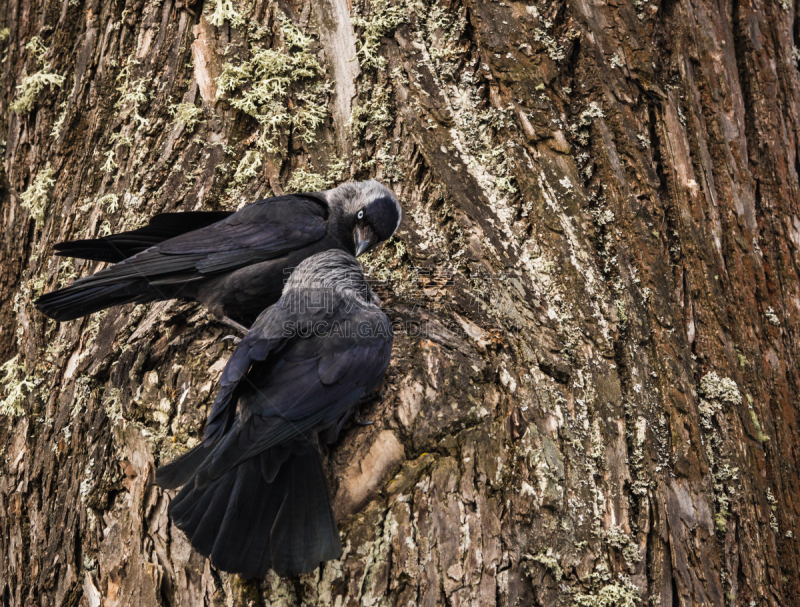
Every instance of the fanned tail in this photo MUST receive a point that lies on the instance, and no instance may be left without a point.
(272, 510)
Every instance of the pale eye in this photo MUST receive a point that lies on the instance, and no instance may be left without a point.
(361, 214)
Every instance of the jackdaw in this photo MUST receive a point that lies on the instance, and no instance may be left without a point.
(234, 263)
(254, 492)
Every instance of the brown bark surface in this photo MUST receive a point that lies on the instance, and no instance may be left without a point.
(595, 402)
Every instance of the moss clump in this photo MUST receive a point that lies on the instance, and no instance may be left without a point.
(224, 10)
(772, 317)
(382, 19)
(712, 386)
(248, 166)
(110, 202)
(186, 115)
(15, 386)
(617, 538)
(374, 112)
(261, 87)
(611, 595)
(36, 197)
(304, 181)
(56, 130)
(760, 436)
(110, 164)
(549, 563)
(33, 84)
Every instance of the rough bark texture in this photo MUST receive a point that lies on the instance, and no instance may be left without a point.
(596, 401)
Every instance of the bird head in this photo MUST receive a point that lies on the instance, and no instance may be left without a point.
(368, 213)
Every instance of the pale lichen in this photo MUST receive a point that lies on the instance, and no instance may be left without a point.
(187, 115)
(33, 84)
(772, 317)
(56, 130)
(548, 562)
(261, 87)
(36, 197)
(224, 10)
(248, 166)
(303, 181)
(382, 19)
(724, 389)
(306, 181)
(110, 164)
(110, 202)
(16, 386)
(611, 595)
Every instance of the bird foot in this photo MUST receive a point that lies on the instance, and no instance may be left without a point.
(233, 325)
(363, 422)
(235, 340)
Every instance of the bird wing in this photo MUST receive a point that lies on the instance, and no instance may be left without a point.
(272, 227)
(291, 387)
(116, 247)
(264, 230)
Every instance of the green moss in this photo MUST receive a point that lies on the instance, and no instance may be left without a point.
(36, 197)
(4, 33)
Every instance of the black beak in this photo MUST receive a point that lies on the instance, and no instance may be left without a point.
(362, 238)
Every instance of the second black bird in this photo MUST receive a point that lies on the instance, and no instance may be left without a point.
(254, 492)
(234, 263)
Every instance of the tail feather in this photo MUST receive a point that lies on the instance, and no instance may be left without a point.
(178, 472)
(269, 511)
(147, 277)
(305, 532)
(241, 547)
(75, 301)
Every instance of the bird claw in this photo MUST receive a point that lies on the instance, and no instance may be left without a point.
(235, 340)
(233, 325)
(363, 422)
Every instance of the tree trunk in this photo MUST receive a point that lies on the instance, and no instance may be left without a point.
(592, 399)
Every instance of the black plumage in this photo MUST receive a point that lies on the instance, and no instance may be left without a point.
(234, 263)
(254, 492)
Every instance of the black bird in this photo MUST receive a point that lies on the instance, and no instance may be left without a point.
(234, 263)
(254, 492)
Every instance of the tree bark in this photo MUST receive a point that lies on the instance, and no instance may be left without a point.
(592, 399)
